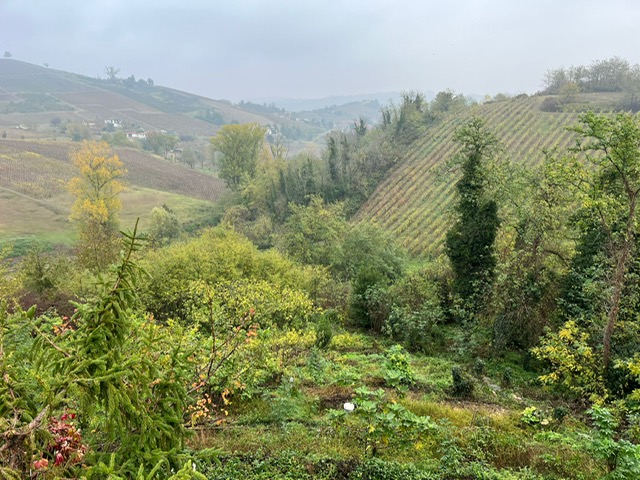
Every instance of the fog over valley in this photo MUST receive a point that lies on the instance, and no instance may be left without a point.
(258, 50)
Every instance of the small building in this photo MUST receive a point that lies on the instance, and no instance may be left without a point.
(114, 122)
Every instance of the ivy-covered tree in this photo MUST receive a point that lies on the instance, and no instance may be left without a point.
(469, 242)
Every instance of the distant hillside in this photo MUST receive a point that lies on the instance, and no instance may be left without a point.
(32, 96)
(413, 204)
(40, 169)
(297, 105)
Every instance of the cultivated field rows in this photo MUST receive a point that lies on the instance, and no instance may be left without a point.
(414, 202)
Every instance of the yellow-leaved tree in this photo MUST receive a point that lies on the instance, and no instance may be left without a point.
(97, 190)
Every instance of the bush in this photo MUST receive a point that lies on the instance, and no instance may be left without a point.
(621, 457)
(219, 256)
(269, 304)
(164, 226)
(379, 424)
(416, 311)
(550, 104)
(507, 376)
(463, 385)
(370, 300)
(397, 371)
(378, 469)
(479, 367)
(324, 329)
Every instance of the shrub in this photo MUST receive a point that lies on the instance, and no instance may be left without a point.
(397, 371)
(479, 367)
(164, 226)
(462, 384)
(324, 329)
(550, 104)
(370, 300)
(622, 458)
(416, 311)
(349, 342)
(388, 470)
(271, 305)
(379, 424)
(507, 376)
(224, 257)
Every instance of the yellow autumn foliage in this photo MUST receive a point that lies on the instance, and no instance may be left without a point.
(98, 185)
(97, 204)
(574, 364)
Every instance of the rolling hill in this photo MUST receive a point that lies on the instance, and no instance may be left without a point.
(31, 96)
(34, 202)
(35, 102)
(414, 201)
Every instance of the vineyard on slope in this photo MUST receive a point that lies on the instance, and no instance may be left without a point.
(414, 202)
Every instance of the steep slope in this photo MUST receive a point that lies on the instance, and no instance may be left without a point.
(414, 203)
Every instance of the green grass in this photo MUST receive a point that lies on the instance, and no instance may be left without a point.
(287, 429)
(25, 219)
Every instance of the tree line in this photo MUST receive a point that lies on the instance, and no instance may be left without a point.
(611, 75)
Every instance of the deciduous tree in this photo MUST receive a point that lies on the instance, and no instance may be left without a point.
(97, 202)
(612, 147)
(160, 143)
(238, 148)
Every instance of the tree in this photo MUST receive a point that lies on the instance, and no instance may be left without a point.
(312, 234)
(111, 72)
(469, 242)
(96, 189)
(164, 225)
(160, 143)
(612, 147)
(188, 157)
(600, 299)
(7, 54)
(78, 132)
(237, 148)
(533, 249)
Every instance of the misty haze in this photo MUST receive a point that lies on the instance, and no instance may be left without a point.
(334, 240)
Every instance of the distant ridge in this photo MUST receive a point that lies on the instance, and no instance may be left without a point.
(307, 104)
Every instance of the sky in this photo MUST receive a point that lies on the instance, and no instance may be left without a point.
(258, 49)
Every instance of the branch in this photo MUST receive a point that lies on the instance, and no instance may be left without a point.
(10, 436)
(46, 337)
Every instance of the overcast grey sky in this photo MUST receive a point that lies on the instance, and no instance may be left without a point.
(243, 49)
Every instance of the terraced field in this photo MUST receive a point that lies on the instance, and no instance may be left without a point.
(413, 204)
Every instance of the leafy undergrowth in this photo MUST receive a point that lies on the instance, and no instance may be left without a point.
(408, 421)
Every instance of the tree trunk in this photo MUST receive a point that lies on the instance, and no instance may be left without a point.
(618, 282)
